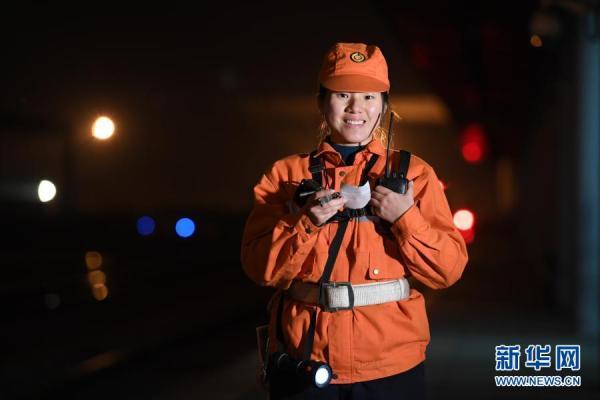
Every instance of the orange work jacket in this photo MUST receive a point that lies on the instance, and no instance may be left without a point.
(280, 244)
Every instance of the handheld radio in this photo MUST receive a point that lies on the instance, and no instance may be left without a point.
(395, 181)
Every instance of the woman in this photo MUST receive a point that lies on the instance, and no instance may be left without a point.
(374, 339)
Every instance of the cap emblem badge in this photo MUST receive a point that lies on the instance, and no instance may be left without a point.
(357, 57)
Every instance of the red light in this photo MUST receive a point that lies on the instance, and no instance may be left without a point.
(472, 152)
(468, 235)
(473, 143)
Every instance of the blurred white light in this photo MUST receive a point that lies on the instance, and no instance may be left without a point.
(46, 191)
(103, 128)
(464, 219)
(322, 376)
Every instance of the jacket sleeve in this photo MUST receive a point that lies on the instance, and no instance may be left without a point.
(431, 246)
(275, 242)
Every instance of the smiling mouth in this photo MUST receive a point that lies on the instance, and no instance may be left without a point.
(354, 122)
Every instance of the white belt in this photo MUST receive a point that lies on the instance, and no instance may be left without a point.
(344, 295)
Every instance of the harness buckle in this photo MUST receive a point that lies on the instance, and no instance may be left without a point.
(325, 300)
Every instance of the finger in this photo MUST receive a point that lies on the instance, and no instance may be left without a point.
(328, 213)
(328, 198)
(326, 206)
(410, 189)
(375, 202)
(320, 202)
(336, 204)
(380, 195)
(316, 203)
(382, 189)
(376, 209)
(323, 193)
(312, 200)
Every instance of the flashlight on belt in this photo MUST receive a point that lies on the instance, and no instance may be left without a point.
(316, 373)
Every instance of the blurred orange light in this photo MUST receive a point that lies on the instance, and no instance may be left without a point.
(100, 292)
(464, 219)
(93, 260)
(536, 41)
(96, 278)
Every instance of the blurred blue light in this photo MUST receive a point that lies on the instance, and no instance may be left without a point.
(145, 226)
(185, 227)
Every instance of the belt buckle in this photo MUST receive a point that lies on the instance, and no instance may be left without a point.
(325, 285)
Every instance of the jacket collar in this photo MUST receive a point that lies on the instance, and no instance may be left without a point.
(374, 146)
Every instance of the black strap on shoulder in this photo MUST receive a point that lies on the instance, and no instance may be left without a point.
(403, 165)
(316, 167)
(333, 252)
(368, 167)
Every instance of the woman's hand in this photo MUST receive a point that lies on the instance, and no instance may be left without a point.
(390, 205)
(319, 214)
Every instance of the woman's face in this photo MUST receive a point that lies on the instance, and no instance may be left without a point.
(352, 115)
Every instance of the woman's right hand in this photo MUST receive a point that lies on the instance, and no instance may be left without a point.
(319, 214)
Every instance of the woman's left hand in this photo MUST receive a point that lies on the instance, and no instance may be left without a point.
(390, 205)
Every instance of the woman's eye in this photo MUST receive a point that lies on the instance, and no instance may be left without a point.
(343, 95)
(369, 97)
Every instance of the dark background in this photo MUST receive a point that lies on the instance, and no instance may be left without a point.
(204, 100)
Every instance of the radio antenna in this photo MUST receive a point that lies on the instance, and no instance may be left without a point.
(389, 140)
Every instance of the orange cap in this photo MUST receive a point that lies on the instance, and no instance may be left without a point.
(354, 67)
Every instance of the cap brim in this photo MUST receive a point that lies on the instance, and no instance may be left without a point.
(355, 83)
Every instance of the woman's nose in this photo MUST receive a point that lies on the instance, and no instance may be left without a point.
(354, 105)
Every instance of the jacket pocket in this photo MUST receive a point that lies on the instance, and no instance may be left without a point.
(313, 266)
(384, 266)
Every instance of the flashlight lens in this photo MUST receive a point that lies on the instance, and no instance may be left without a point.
(322, 375)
